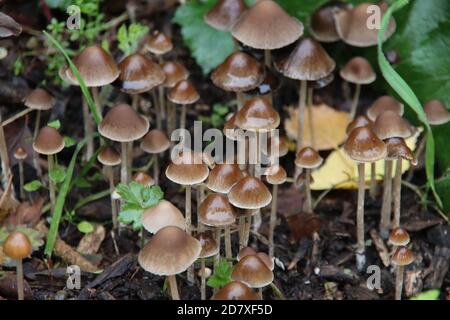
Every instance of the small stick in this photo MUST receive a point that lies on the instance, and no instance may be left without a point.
(360, 245)
(173, 287)
(355, 101)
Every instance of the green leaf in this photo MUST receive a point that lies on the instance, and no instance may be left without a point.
(58, 4)
(407, 94)
(85, 227)
(221, 275)
(132, 217)
(32, 185)
(427, 295)
(55, 124)
(443, 189)
(151, 196)
(57, 175)
(81, 182)
(208, 46)
(69, 142)
(130, 38)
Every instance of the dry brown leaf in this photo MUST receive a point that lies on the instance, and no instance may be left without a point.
(26, 213)
(7, 203)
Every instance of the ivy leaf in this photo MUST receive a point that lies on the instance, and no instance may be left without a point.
(222, 274)
(32, 185)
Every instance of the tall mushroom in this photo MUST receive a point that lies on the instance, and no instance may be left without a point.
(20, 155)
(155, 142)
(183, 93)
(210, 248)
(401, 258)
(363, 146)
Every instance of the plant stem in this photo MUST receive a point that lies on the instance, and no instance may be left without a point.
(22, 193)
(183, 117)
(240, 100)
(173, 287)
(123, 169)
(311, 118)
(51, 183)
(355, 101)
(301, 113)
(110, 174)
(386, 206)
(273, 218)
(19, 271)
(35, 154)
(373, 181)
(16, 116)
(6, 170)
(399, 282)
(397, 185)
(308, 202)
(203, 281)
(130, 159)
(360, 245)
(228, 251)
(156, 168)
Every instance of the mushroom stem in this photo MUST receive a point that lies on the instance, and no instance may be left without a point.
(51, 183)
(373, 181)
(248, 224)
(355, 101)
(190, 270)
(156, 168)
(273, 218)
(173, 287)
(135, 102)
(240, 100)
(15, 117)
(156, 105)
(217, 256)
(386, 206)
(19, 271)
(301, 113)
(397, 186)
(96, 97)
(242, 225)
(37, 124)
(399, 282)
(308, 202)
(267, 58)
(22, 193)
(162, 107)
(6, 170)
(311, 118)
(123, 169)
(110, 175)
(203, 281)
(228, 251)
(183, 117)
(260, 293)
(360, 245)
(88, 130)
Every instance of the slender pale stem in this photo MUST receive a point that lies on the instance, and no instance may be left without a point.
(162, 102)
(123, 169)
(183, 116)
(240, 100)
(373, 181)
(241, 232)
(173, 287)
(19, 271)
(130, 159)
(98, 104)
(397, 185)
(110, 174)
(156, 168)
(16, 116)
(418, 154)
(267, 58)
(203, 281)
(260, 293)
(37, 125)
(355, 101)
(218, 240)
(308, 202)
(273, 219)
(312, 131)
(301, 113)
(190, 270)
(360, 245)
(228, 251)
(248, 224)
(88, 130)
(386, 207)
(21, 180)
(6, 170)
(399, 282)
(51, 183)
(135, 101)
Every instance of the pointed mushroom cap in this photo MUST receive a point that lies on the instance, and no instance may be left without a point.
(96, 67)
(436, 112)
(187, 169)
(239, 72)
(123, 124)
(359, 121)
(402, 257)
(223, 177)
(210, 247)
(358, 70)
(20, 153)
(267, 26)
(39, 99)
(390, 124)
(322, 25)
(48, 141)
(155, 141)
(140, 74)
(170, 251)
(143, 179)
(8, 26)
(17, 246)
(397, 148)
(249, 193)
(252, 271)
(276, 174)
(363, 145)
(276, 147)
(224, 14)
(249, 251)
(109, 156)
(308, 61)
(308, 158)
(216, 211)
(399, 237)
(159, 43)
(352, 26)
(257, 114)
(162, 215)
(183, 93)
(235, 290)
(382, 104)
(175, 72)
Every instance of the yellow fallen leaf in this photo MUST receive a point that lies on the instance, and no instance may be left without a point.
(341, 172)
(329, 125)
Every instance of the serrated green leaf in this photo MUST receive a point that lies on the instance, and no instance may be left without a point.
(57, 175)
(427, 295)
(85, 227)
(132, 217)
(221, 275)
(32, 185)
(69, 142)
(55, 124)
(151, 196)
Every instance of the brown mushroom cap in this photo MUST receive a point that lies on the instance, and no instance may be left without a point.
(216, 211)
(322, 82)
(308, 158)
(140, 74)
(382, 104)
(436, 112)
(223, 177)
(162, 215)
(246, 251)
(170, 251)
(270, 83)
(8, 26)
(175, 72)
(257, 114)
(276, 174)
(267, 26)
(96, 67)
(358, 70)
(352, 26)
(158, 43)
(399, 237)
(363, 145)
(402, 257)
(188, 169)
(359, 121)
(322, 25)
(155, 141)
(390, 124)
(249, 193)
(276, 147)
(123, 124)
(109, 156)
(17, 246)
(235, 290)
(210, 247)
(239, 72)
(39, 99)
(249, 251)
(398, 149)
(308, 61)
(20, 153)
(143, 179)
(183, 93)
(224, 14)
(252, 271)
(48, 141)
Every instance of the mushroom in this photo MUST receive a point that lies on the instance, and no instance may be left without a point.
(275, 176)
(399, 237)
(239, 72)
(158, 44)
(235, 290)
(363, 146)
(49, 142)
(308, 159)
(210, 248)
(143, 179)
(155, 142)
(162, 215)
(124, 125)
(224, 14)
(183, 93)
(169, 252)
(321, 23)
(401, 258)
(20, 155)
(223, 177)
(8, 26)
(17, 246)
(249, 251)
(358, 71)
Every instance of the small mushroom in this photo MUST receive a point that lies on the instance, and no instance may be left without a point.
(162, 215)
(20, 154)
(308, 159)
(401, 258)
(235, 290)
(158, 43)
(183, 93)
(223, 177)
(155, 142)
(143, 179)
(399, 237)
(224, 14)
(321, 23)
(210, 248)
